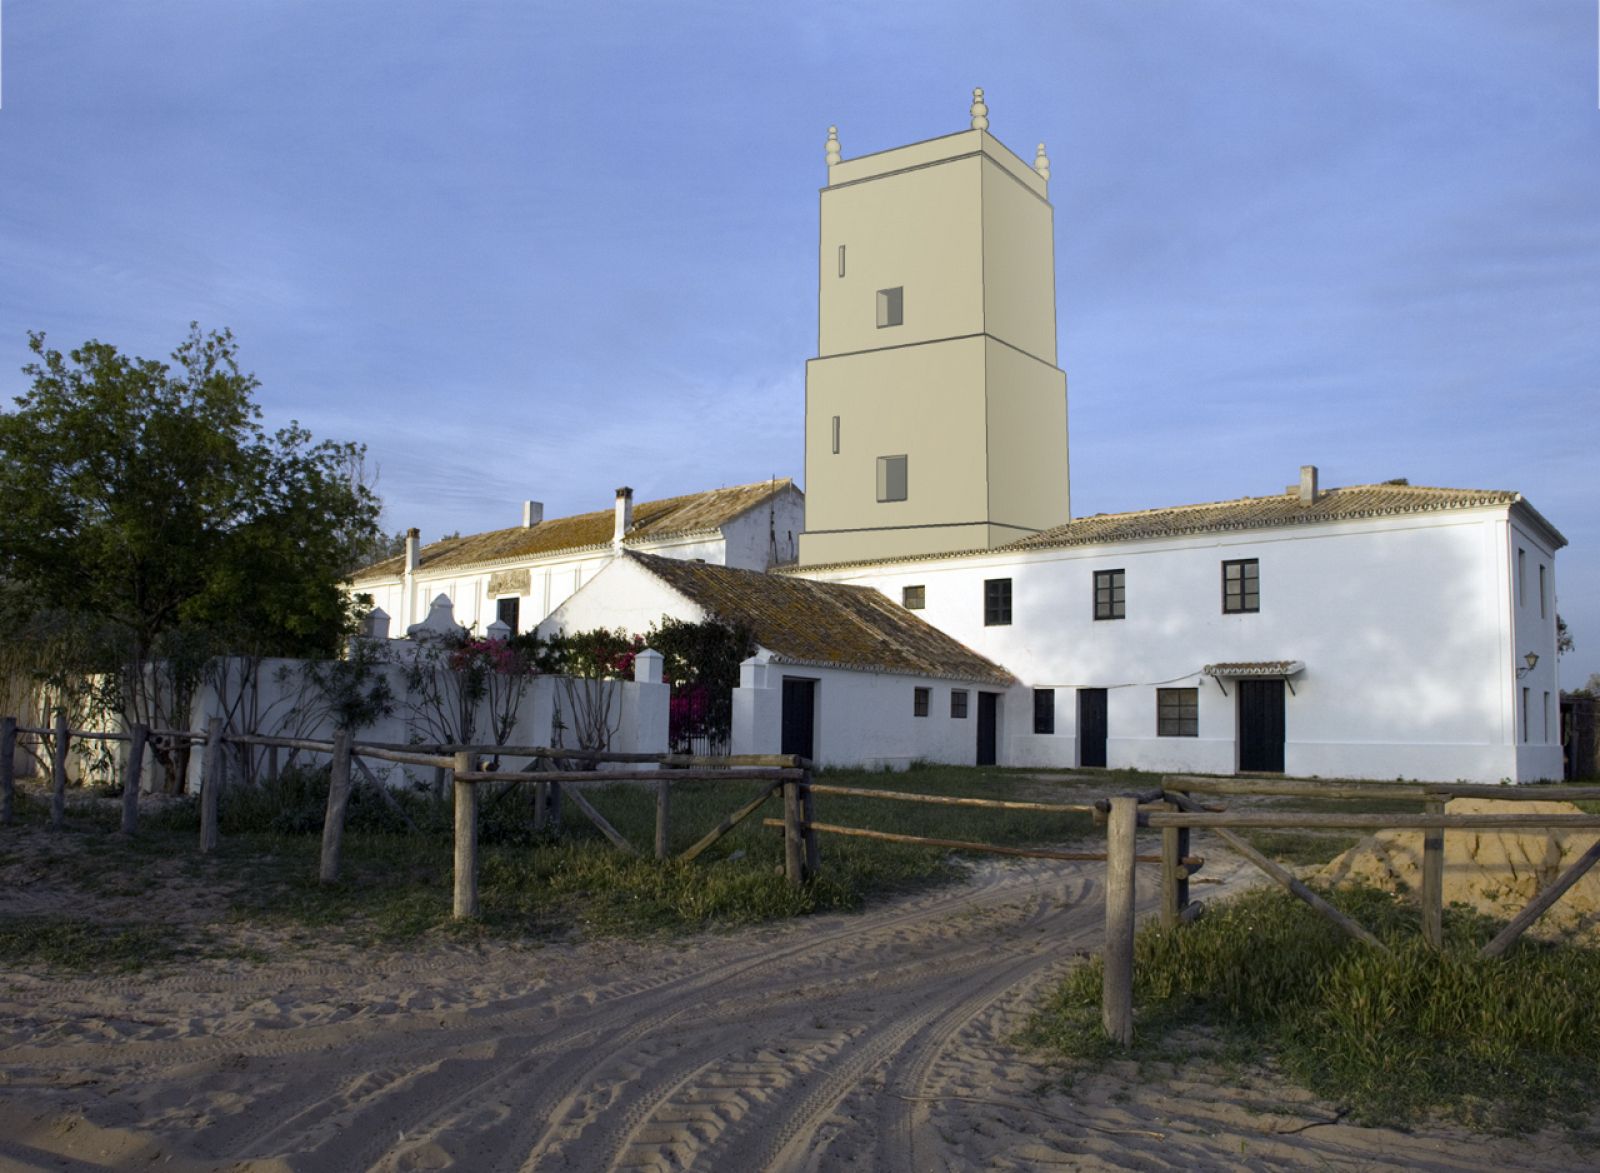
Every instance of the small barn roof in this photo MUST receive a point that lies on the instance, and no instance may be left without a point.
(693, 513)
(825, 624)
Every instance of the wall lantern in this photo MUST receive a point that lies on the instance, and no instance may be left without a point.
(1531, 659)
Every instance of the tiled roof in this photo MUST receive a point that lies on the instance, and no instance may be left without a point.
(1255, 668)
(1347, 504)
(652, 520)
(1246, 513)
(825, 624)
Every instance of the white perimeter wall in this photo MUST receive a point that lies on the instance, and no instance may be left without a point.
(1405, 626)
(639, 718)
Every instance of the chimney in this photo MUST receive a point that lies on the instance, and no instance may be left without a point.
(1308, 484)
(532, 513)
(413, 549)
(624, 516)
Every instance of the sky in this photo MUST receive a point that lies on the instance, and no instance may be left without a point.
(541, 250)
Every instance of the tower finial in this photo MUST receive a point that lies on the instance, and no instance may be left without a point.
(833, 145)
(980, 112)
(1041, 164)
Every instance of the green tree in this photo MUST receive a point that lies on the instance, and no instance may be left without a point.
(143, 504)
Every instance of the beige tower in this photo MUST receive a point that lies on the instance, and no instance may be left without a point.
(936, 417)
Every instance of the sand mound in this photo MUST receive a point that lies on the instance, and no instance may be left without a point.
(1495, 872)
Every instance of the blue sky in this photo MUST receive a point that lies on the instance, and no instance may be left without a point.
(541, 250)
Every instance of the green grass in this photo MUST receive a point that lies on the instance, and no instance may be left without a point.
(1503, 1045)
(88, 946)
(396, 884)
(1300, 848)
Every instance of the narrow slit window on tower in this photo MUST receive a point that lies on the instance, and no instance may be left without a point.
(841, 260)
(836, 435)
(891, 306)
(891, 478)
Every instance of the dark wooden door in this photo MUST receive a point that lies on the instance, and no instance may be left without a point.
(988, 710)
(1261, 726)
(1091, 727)
(799, 717)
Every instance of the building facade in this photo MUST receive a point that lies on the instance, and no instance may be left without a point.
(521, 574)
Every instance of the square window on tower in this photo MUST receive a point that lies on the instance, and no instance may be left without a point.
(891, 306)
(891, 478)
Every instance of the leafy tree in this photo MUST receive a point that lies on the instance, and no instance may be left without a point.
(1564, 642)
(143, 503)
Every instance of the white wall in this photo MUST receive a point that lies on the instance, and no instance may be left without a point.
(744, 542)
(639, 715)
(862, 718)
(1401, 623)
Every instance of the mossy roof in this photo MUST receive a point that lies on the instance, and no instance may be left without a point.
(825, 624)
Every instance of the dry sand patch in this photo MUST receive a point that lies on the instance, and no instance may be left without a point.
(879, 1041)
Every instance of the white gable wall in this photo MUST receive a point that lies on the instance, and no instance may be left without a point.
(1401, 622)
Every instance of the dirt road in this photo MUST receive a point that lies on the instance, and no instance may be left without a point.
(871, 1042)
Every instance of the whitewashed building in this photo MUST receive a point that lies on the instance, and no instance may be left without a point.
(1369, 631)
(520, 574)
(1374, 631)
(841, 674)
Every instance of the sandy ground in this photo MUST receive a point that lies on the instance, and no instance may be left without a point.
(870, 1042)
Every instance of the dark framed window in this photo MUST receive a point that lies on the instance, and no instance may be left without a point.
(891, 478)
(914, 598)
(1044, 710)
(958, 704)
(1241, 585)
(1177, 712)
(507, 611)
(997, 602)
(1110, 594)
(891, 306)
(919, 702)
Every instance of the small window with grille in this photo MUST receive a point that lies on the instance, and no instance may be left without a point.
(996, 602)
(1110, 594)
(1241, 585)
(1177, 712)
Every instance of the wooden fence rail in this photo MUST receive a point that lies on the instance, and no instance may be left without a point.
(1182, 814)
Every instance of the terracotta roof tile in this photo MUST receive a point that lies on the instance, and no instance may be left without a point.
(825, 624)
(652, 520)
(1347, 504)
(1245, 513)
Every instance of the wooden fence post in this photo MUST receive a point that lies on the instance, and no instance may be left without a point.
(210, 783)
(541, 805)
(794, 847)
(132, 776)
(1174, 876)
(272, 763)
(466, 894)
(338, 800)
(8, 771)
(1433, 878)
(808, 809)
(58, 771)
(1116, 1010)
(663, 816)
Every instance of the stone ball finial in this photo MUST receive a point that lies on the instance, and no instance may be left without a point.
(980, 112)
(833, 145)
(1041, 164)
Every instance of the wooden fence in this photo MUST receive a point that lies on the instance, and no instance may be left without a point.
(1174, 811)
